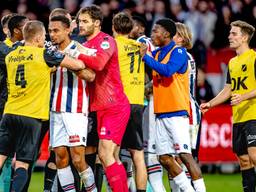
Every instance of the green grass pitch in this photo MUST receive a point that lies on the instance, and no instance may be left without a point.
(214, 182)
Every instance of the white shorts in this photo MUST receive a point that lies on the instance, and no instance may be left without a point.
(68, 129)
(149, 127)
(172, 135)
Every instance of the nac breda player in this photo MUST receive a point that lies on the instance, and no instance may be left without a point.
(28, 72)
(107, 94)
(240, 87)
(133, 76)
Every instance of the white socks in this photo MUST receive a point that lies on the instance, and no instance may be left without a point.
(182, 181)
(66, 179)
(199, 185)
(87, 177)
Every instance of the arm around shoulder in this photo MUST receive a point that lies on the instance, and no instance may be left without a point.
(73, 64)
(86, 74)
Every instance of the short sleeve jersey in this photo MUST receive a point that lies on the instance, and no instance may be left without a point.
(28, 71)
(132, 69)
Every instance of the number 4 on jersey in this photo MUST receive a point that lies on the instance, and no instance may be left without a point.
(20, 76)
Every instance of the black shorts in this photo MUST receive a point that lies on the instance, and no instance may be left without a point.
(244, 136)
(20, 135)
(92, 137)
(133, 136)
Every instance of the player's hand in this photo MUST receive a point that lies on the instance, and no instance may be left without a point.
(236, 99)
(72, 53)
(85, 50)
(143, 49)
(204, 107)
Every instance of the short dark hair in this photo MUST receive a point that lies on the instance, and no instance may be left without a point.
(64, 20)
(14, 22)
(140, 20)
(6, 18)
(58, 12)
(93, 11)
(122, 23)
(168, 25)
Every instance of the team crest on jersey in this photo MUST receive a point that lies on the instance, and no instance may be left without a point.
(105, 45)
(21, 51)
(244, 67)
(180, 51)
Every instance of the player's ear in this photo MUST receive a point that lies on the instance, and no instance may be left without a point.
(16, 30)
(166, 34)
(37, 39)
(97, 23)
(68, 30)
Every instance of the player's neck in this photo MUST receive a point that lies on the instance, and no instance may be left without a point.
(13, 39)
(31, 44)
(64, 44)
(122, 35)
(96, 32)
(166, 42)
(243, 48)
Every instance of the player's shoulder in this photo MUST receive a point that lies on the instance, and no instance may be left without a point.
(49, 53)
(105, 37)
(181, 51)
(106, 41)
(5, 49)
(3, 46)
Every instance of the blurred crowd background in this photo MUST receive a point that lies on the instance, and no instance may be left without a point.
(209, 21)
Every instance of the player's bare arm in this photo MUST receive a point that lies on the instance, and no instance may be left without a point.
(238, 98)
(73, 64)
(86, 74)
(224, 95)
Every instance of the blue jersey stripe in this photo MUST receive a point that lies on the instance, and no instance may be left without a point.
(69, 92)
(191, 79)
(53, 88)
(198, 113)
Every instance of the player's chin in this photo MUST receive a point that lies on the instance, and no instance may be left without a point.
(232, 45)
(82, 32)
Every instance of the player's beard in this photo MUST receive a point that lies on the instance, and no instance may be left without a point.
(88, 31)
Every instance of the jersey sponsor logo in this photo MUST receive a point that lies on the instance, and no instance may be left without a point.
(20, 58)
(239, 82)
(105, 45)
(130, 48)
(244, 67)
(103, 131)
(74, 138)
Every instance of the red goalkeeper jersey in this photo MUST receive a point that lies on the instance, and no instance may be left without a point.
(107, 89)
